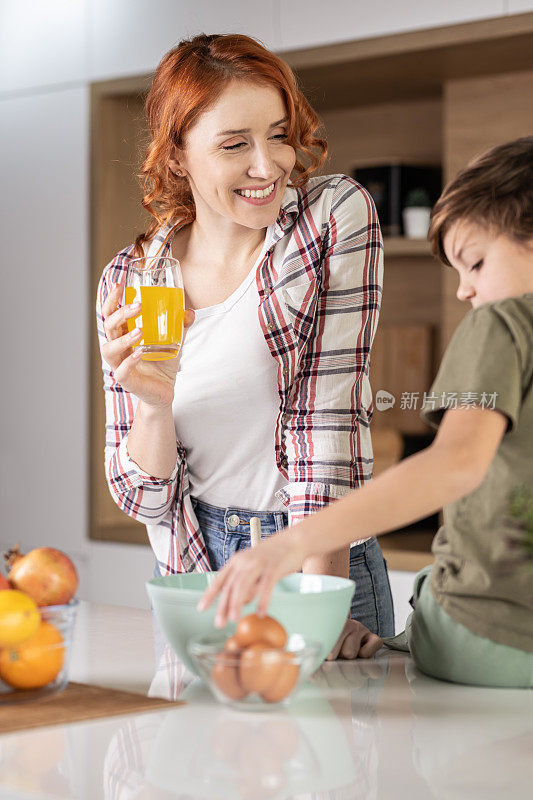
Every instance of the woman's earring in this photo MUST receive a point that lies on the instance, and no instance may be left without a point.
(178, 173)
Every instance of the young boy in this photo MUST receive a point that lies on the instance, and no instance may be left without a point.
(473, 617)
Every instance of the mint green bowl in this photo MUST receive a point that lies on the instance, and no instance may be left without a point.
(315, 606)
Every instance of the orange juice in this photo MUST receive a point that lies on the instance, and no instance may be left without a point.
(162, 315)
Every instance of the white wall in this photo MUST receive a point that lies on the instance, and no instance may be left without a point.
(304, 23)
(50, 51)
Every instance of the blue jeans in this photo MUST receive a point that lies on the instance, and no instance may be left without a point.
(226, 530)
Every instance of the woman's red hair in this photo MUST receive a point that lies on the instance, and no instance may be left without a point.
(187, 82)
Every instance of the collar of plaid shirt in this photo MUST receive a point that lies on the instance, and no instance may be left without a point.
(319, 286)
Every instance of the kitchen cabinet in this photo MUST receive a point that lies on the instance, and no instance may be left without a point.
(423, 96)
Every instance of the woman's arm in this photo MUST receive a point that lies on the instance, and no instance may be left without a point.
(141, 493)
(452, 467)
(152, 440)
(326, 424)
(327, 435)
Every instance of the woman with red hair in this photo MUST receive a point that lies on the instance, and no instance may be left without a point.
(266, 412)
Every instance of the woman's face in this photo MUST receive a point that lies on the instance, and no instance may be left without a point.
(490, 267)
(236, 156)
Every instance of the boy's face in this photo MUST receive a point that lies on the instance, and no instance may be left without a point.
(490, 266)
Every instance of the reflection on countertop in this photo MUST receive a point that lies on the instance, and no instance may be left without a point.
(363, 729)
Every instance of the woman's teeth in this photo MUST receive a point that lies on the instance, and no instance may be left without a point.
(256, 192)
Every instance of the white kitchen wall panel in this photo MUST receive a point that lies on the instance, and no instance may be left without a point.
(518, 6)
(42, 43)
(401, 584)
(43, 324)
(309, 23)
(129, 37)
(118, 574)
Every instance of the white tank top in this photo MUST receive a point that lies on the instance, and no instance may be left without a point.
(226, 404)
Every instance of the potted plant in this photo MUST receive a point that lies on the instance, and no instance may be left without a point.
(416, 213)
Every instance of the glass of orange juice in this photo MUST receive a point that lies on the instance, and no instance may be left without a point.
(156, 283)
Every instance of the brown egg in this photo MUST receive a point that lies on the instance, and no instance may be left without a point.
(232, 645)
(225, 675)
(285, 681)
(253, 628)
(260, 667)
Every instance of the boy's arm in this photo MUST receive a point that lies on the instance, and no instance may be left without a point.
(452, 467)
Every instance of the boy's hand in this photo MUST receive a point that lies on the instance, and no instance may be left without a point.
(252, 572)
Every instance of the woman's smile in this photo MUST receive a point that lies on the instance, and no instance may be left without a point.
(258, 195)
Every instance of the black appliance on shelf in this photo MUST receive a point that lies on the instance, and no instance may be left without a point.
(390, 186)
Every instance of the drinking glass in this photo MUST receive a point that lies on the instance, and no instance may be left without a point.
(156, 283)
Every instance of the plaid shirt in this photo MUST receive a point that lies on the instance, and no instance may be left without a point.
(320, 288)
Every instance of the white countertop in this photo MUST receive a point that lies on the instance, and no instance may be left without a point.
(363, 729)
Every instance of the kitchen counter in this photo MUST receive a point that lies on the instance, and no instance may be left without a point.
(363, 729)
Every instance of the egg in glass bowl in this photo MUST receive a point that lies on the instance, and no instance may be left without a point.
(255, 677)
(313, 606)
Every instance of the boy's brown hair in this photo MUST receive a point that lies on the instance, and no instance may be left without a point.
(495, 191)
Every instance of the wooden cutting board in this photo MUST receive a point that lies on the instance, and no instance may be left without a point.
(77, 702)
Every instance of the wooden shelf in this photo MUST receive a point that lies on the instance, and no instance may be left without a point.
(407, 551)
(414, 64)
(407, 560)
(401, 247)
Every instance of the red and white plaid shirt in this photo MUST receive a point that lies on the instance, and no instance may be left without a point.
(320, 287)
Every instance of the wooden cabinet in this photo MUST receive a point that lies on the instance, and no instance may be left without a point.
(434, 96)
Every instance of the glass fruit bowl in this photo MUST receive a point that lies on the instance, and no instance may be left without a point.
(256, 677)
(38, 665)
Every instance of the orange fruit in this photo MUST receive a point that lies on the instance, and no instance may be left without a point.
(34, 662)
(19, 617)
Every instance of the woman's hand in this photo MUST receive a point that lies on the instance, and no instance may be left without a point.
(152, 382)
(355, 641)
(253, 572)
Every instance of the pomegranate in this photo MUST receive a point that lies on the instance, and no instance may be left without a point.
(46, 574)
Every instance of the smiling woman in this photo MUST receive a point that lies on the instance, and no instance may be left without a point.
(266, 411)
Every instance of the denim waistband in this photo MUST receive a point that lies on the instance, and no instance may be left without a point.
(237, 520)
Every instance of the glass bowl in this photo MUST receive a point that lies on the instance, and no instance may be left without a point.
(255, 678)
(41, 660)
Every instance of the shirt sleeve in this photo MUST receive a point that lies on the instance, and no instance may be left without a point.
(481, 368)
(327, 436)
(140, 495)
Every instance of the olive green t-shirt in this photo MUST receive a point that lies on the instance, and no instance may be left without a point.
(489, 363)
